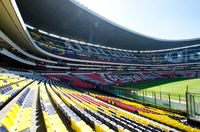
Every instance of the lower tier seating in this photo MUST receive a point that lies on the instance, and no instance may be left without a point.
(149, 112)
(19, 116)
(51, 118)
(11, 90)
(46, 105)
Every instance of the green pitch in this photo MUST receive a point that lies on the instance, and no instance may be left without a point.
(177, 86)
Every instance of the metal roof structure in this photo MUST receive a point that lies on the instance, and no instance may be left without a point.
(70, 19)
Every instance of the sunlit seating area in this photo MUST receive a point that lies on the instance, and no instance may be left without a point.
(65, 67)
(162, 116)
(10, 86)
(101, 80)
(43, 104)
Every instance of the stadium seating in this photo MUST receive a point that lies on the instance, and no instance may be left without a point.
(102, 80)
(11, 87)
(102, 111)
(51, 118)
(92, 53)
(73, 80)
(76, 122)
(149, 112)
(91, 80)
(7, 79)
(78, 83)
(66, 109)
(60, 47)
(96, 76)
(19, 117)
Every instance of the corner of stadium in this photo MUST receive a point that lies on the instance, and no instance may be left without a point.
(65, 68)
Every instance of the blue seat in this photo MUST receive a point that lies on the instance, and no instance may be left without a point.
(3, 129)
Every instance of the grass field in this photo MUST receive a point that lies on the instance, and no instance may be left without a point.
(177, 86)
(174, 87)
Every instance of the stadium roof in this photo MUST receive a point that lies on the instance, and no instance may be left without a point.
(69, 19)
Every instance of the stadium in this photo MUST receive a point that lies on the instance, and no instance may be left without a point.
(64, 67)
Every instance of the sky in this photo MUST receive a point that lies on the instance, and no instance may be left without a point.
(162, 19)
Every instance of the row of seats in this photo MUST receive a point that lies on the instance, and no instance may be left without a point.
(8, 79)
(96, 124)
(86, 52)
(66, 109)
(108, 114)
(76, 82)
(81, 51)
(95, 80)
(74, 121)
(19, 117)
(52, 120)
(96, 77)
(10, 91)
(161, 116)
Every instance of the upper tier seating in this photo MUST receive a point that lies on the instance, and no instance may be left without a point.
(87, 52)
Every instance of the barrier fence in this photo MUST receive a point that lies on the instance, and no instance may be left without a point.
(193, 105)
(189, 102)
(167, 100)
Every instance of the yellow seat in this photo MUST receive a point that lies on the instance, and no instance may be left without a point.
(104, 128)
(14, 110)
(11, 115)
(77, 125)
(47, 123)
(23, 126)
(60, 128)
(110, 130)
(27, 112)
(8, 123)
(49, 129)
(97, 126)
(125, 130)
(25, 118)
(3, 98)
(85, 128)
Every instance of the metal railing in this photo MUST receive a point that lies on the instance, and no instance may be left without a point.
(163, 99)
